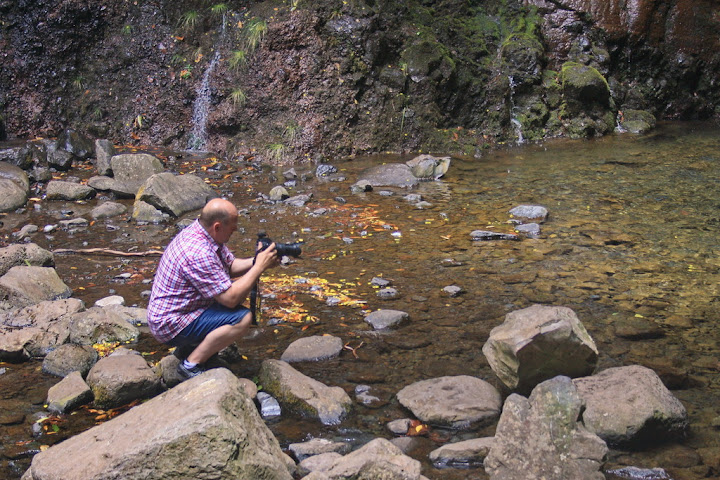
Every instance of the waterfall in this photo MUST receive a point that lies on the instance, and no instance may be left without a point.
(513, 110)
(201, 109)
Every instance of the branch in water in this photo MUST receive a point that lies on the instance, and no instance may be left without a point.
(105, 251)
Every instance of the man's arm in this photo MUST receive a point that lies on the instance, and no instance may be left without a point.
(240, 288)
(240, 266)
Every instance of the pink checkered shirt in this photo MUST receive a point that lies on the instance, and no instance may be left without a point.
(192, 270)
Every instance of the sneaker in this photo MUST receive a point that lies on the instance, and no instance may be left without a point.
(186, 373)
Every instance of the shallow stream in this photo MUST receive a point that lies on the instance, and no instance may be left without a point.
(630, 245)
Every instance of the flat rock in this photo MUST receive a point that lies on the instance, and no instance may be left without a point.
(308, 349)
(70, 393)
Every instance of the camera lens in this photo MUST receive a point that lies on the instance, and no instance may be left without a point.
(288, 249)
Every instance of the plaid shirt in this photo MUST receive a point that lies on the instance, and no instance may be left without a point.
(192, 270)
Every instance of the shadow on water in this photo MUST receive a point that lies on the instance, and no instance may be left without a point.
(630, 245)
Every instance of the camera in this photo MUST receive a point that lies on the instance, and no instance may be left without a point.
(283, 249)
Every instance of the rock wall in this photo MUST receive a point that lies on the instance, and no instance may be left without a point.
(288, 81)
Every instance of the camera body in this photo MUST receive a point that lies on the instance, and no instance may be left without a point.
(283, 249)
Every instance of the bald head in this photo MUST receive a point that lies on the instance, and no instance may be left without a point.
(218, 210)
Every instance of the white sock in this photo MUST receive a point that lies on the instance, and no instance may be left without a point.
(189, 364)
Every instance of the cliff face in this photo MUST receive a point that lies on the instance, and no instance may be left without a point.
(301, 80)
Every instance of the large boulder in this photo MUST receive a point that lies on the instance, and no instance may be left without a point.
(24, 254)
(175, 194)
(628, 405)
(101, 324)
(23, 286)
(104, 151)
(390, 175)
(121, 378)
(16, 174)
(131, 170)
(427, 167)
(69, 358)
(538, 343)
(587, 103)
(12, 195)
(206, 427)
(542, 437)
(62, 190)
(36, 330)
(76, 143)
(303, 395)
(455, 401)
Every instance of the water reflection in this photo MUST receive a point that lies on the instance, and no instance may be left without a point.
(630, 245)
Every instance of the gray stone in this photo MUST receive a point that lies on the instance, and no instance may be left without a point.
(175, 194)
(16, 174)
(119, 379)
(62, 190)
(308, 349)
(537, 343)
(382, 319)
(69, 358)
(464, 454)
(76, 144)
(486, 236)
(104, 151)
(108, 301)
(399, 426)
(459, 402)
(529, 213)
(278, 193)
(387, 293)
(206, 427)
(98, 325)
(303, 395)
(388, 175)
(101, 182)
(299, 200)
(108, 210)
(23, 286)
(269, 407)
(429, 167)
(70, 393)
(626, 405)
(530, 230)
(543, 437)
(143, 212)
(316, 446)
(12, 195)
(131, 170)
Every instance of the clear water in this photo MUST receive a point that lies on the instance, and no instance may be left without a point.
(630, 244)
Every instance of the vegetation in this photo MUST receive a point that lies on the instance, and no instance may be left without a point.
(291, 132)
(255, 33)
(238, 59)
(189, 19)
(276, 152)
(238, 97)
(219, 9)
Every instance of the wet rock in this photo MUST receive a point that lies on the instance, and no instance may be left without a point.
(59, 158)
(586, 101)
(538, 343)
(464, 454)
(278, 194)
(382, 319)
(310, 349)
(23, 286)
(388, 175)
(530, 230)
(427, 167)
(206, 427)
(269, 407)
(98, 325)
(316, 446)
(637, 121)
(16, 174)
(316, 465)
(399, 426)
(76, 144)
(635, 473)
(453, 290)
(303, 395)
(104, 151)
(61, 190)
(69, 358)
(299, 200)
(119, 379)
(361, 186)
(36, 330)
(529, 213)
(486, 235)
(131, 170)
(460, 402)
(101, 183)
(108, 301)
(542, 437)
(74, 223)
(626, 405)
(379, 282)
(20, 156)
(70, 393)
(634, 328)
(12, 195)
(368, 396)
(176, 194)
(323, 170)
(108, 210)
(25, 232)
(387, 293)
(143, 212)
(375, 460)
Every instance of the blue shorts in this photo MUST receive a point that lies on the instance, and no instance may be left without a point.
(214, 317)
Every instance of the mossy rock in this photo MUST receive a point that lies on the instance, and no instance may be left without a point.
(522, 55)
(425, 56)
(584, 84)
(638, 121)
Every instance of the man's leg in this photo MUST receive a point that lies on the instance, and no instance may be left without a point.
(218, 339)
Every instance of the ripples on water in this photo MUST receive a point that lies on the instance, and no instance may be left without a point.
(630, 245)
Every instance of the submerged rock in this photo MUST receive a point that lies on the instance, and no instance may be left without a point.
(316, 347)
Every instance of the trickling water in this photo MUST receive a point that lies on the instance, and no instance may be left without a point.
(201, 109)
(513, 111)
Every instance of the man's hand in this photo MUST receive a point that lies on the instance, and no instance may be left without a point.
(268, 258)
